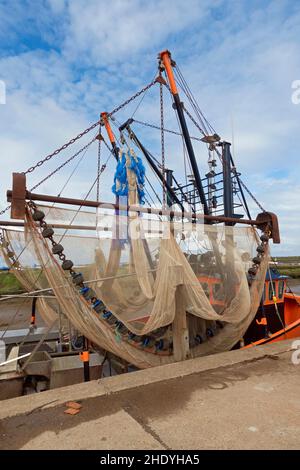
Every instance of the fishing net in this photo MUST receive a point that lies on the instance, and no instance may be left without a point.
(19, 254)
(149, 272)
(151, 288)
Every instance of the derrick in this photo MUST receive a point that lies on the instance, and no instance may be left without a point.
(164, 271)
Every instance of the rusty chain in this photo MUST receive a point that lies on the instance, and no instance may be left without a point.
(98, 165)
(93, 126)
(63, 164)
(86, 131)
(252, 196)
(4, 210)
(169, 131)
(162, 135)
(81, 134)
(132, 98)
(193, 119)
(63, 147)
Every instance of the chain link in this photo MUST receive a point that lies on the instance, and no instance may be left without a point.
(163, 162)
(63, 164)
(169, 131)
(98, 167)
(72, 141)
(252, 196)
(132, 98)
(5, 210)
(63, 147)
(193, 120)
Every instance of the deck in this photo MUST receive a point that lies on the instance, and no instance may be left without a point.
(244, 399)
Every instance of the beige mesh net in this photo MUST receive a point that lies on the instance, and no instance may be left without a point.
(151, 290)
(175, 284)
(19, 254)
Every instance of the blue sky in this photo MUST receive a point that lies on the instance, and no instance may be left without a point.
(63, 62)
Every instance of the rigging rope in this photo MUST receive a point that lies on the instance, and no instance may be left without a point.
(17, 258)
(86, 131)
(252, 195)
(23, 249)
(124, 141)
(87, 194)
(63, 164)
(187, 91)
(193, 120)
(144, 94)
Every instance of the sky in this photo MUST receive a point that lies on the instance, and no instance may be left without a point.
(63, 62)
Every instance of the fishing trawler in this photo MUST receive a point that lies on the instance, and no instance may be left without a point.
(164, 272)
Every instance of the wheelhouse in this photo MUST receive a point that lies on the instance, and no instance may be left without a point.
(274, 288)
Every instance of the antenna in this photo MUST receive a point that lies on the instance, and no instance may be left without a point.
(232, 135)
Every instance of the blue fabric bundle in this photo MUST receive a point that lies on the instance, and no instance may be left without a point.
(120, 186)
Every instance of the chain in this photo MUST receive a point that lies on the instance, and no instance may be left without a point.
(72, 141)
(193, 120)
(252, 196)
(132, 98)
(169, 131)
(55, 171)
(63, 147)
(5, 210)
(163, 162)
(63, 164)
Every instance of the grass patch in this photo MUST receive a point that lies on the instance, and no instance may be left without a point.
(288, 270)
(9, 284)
(287, 259)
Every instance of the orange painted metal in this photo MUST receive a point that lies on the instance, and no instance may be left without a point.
(291, 320)
(292, 313)
(165, 56)
(211, 282)
(109, 131)
(84, 356)
(276, 298)
(263, 321)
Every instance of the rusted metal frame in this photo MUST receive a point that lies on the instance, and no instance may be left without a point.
(10, 223)
(146, 210)
(18, 196)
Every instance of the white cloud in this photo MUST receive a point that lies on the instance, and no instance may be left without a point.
(239, 61)
(101, 34)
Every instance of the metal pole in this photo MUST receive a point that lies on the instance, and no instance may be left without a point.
(85, 357)
(227, 182)
(169, 181)
(60, 329)
(170, 192)
(240, 188)
(165, 57)
(115, 148)
(145, 210)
